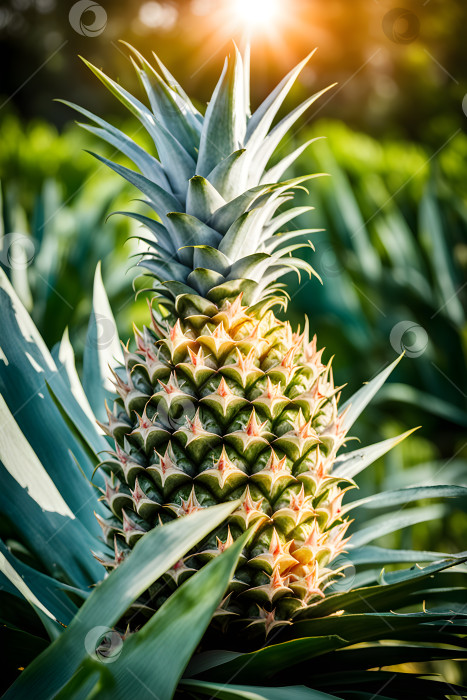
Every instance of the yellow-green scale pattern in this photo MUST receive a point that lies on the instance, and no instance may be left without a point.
(226, 404)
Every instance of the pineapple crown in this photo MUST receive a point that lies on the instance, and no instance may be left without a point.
(218, 231)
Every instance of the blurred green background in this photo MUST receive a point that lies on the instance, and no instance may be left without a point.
(393, 256)
(401, 69)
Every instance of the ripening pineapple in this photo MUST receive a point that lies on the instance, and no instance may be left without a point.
(220, 400)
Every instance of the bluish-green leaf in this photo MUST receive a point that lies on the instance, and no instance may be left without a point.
(149, 166)
(45, 594)
(266, 662)
(224, 124)
(379, 555)
(188, 230)
(165, 269)
(203, 280)
(202, 199)
(250, 267)
(238, 241)
(229, 176)
(160, 200)
(232, 691)
(153, 554)
(167, 106)
(361, 627)
(392, 522)
(272, 140)
(25, 367)
(388, 499)
(357, 403)
(154, 656)
(276, 172)
(277, 241)
(102, 350)
(64, 357)
(283, 217)
(211, 258)
(40, 513)
(391, 593)
(178, 164)
(192, 114)
(262, 118)
(163, 239)
(225, 216)
(352, 463)
(140, 111)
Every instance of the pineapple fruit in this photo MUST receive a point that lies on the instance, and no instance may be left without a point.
(220, 400)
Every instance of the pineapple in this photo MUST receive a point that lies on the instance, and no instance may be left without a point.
(221, 400)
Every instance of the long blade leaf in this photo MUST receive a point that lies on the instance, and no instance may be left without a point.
(154, 657)
(156, 552)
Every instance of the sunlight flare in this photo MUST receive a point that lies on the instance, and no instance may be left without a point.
(257, 14)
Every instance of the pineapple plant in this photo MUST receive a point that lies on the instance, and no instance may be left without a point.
(221, 400)
(221, 488)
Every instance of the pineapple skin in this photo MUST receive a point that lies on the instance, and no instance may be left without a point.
(223, 406)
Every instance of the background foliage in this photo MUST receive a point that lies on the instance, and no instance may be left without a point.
(401, 74)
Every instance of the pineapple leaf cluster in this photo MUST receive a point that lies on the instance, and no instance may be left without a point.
(216, 199)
